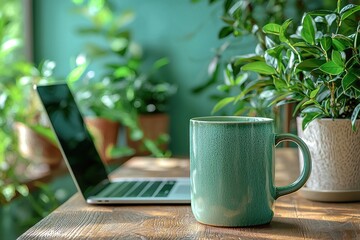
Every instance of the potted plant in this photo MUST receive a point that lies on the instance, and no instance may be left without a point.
(317, 68)
(100, 102)
(149, 98)
(12, 68)
(134, 101)
(244, 20)
(35, 138)
(132, 92)
(17, 103)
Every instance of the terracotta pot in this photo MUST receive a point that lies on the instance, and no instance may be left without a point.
(153, 125)
(334, 149)
(105, 134)
(35, 147)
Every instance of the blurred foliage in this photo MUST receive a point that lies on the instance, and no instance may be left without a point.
(122, 60)
(11, 67)
(18, 102)
(125, 89)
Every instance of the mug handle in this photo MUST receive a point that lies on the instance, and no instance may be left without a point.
(305, 172)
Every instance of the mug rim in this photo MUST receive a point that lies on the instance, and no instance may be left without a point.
(227, 119)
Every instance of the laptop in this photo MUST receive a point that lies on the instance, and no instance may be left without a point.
(85, 165)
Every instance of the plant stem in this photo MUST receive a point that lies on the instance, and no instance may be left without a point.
(295, 51)
(357, 36)
(332, 98)
(338, 6)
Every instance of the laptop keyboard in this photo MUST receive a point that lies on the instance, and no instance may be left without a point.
(139, 189)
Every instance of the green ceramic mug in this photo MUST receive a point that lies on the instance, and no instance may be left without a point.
(232, 170)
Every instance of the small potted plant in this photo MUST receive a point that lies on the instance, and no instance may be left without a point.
(149, 97)
(134, 100)
(35, 138)
(124, 90)
(243, 23)
(317, 68)
(12, 65)
(103, 109)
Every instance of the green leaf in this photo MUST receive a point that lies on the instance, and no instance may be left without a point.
(121, 151)
(298, 107)
(23, 190)
(153, 148)
(259, 67)
(222, 103)
(225, 31)
(280, 84)
(303, 46)
(356, 86)
(223, 88)
(227, 19)
(119, 45)
(341, 42)
(280, 98)
(354, 116)
(308, 102)
(9, 192)
(309, 117)
(309, 84)
(241, 78)
(321, 12)
(282, 34)
(308, 30)
(275, 51)
(76, 73)
(136, 134)
(314, 93)
(325, 43)
(239, 60)
(161, 62)
(348, 10)
(331, 68)
(96, 51)
(348, 80)
(269, 43)
(45, 132)
(272, 28)
(126, 17)
(310, 64)
(338, 45)
(312, 109)
(123, 72)
(331, 18)
(337, 59)
(253, 85)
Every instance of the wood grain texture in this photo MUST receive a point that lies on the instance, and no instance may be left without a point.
(295, 217)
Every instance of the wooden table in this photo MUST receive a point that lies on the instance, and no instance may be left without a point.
(295, 217)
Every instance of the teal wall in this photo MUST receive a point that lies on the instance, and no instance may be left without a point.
(184, 32)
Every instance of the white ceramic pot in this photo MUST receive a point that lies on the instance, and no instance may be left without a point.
(335, 153)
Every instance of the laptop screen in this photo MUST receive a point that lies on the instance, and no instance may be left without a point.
(75, 141)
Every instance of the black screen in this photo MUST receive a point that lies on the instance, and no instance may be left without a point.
(75, 141)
